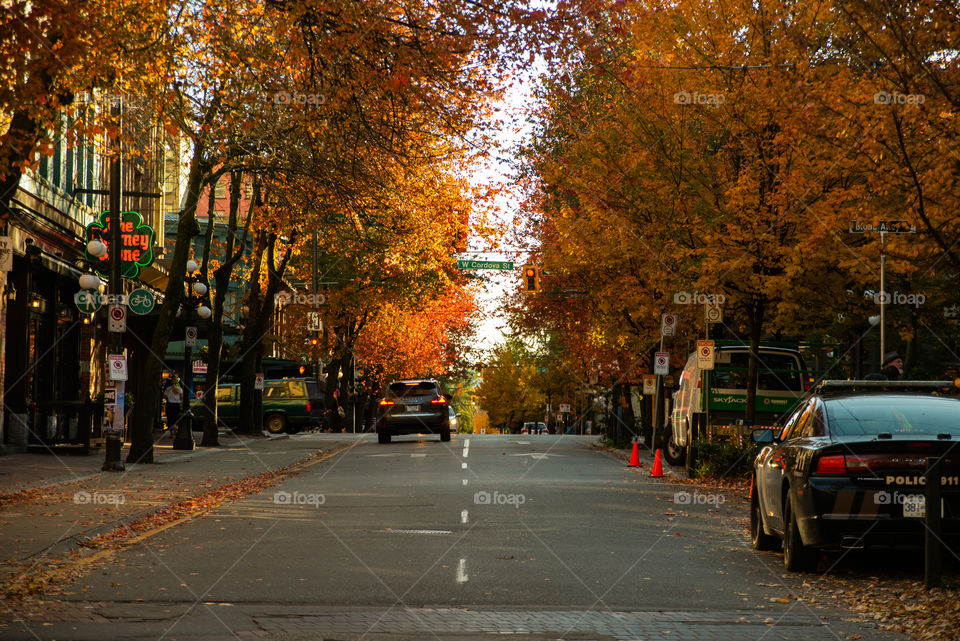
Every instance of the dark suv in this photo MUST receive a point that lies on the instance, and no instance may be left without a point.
(413, 407)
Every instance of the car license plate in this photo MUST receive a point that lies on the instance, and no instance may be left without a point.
(915, 506)
(413, 408)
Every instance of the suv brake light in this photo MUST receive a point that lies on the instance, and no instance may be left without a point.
(308, 407)
(438, 401)
(386, 402)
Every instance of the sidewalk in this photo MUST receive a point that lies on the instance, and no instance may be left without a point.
(62, 503)
(24, 471)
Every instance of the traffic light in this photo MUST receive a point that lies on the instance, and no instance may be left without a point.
(480, 370)
(314, 341)
(531, 279)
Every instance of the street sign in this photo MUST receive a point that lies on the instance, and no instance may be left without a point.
(87, 301)
(199, 367)
(142, 301)
(110, 397)
(885, 226)
(504, 265)
(258, 381)
(668, 325)
(6, 253)
(649, 384)
(564, 408)
(713, 313)
(314, 322)
(191, 337)
(118, 319)
(705, 354)
(118, 367)
(661, 363)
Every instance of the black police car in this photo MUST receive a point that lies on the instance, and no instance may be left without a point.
(847, 469)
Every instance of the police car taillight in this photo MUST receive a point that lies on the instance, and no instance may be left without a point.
(833, 464)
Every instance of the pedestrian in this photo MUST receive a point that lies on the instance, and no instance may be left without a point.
(892, 366)
(891, 369)
(174, 397)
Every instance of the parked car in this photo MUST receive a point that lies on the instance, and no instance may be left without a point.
(454, 421)
(781, 383)
(847, 469)
(534, 428)
(289, 404)
(413, 407)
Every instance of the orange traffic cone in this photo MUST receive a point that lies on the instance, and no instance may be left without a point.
(657, 465)
(635, 457)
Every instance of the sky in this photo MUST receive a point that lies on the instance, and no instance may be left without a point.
(512, 111)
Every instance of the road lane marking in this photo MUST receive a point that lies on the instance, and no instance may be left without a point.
(463, 516)
(523, 442)
(463, 466)
(418, 531)
(466, 452)
(464, 481)
(417, 455)
(462, 571)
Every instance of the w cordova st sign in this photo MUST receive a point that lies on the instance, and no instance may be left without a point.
(136, 243)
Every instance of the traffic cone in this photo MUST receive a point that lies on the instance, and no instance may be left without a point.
(657, 465)
(635, 457)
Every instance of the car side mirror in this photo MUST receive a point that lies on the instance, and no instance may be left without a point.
(764, 436)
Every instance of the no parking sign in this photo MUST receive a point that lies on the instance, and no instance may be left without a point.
(118, 367)
(661, 363)
(705, 354)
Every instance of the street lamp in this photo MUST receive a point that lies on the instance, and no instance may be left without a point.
(194, 302)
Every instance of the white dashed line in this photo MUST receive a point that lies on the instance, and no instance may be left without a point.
(464, 481)
(463, 466)
(463, 516)
(462, 571)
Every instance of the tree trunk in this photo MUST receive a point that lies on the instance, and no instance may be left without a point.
(259, 323)
(148, 388)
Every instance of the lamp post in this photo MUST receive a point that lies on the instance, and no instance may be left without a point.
(194, 302)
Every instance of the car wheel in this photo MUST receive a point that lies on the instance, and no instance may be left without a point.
(383, 437)
(445, 434)
(760, 539)
(797, 557)
(276, 424)
(674, 454)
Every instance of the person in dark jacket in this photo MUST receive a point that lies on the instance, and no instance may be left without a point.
(890, 370)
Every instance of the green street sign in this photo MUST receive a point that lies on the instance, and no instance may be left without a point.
(141, 301)
(485, 264)
(88, 301)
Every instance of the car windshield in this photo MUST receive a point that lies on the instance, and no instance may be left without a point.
(893, 414)
(422, 388)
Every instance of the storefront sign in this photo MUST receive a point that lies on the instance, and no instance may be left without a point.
(6, 253)
(136, 243)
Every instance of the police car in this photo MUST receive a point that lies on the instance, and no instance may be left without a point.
(848, 469)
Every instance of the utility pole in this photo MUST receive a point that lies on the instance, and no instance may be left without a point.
(114, 439)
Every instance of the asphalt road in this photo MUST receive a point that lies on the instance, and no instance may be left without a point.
(530, 537)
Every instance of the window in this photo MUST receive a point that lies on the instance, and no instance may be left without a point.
(297, 389)
(224, 394)
(871, 414)
(220, 191)
(419, 388)
(777, 372)
(276, 390)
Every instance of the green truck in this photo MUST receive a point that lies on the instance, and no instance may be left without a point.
(782, 380)
(289, 404)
